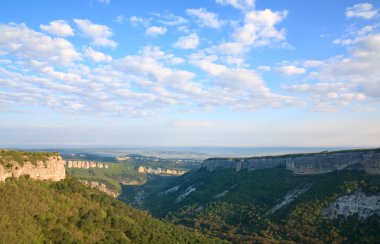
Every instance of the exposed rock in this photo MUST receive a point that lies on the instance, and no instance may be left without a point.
(159, 171)
(358, 203)
(173, 189)
(187, 192)
(51, 169)
(85, 164)
(101, 187)
(141, 169)
(122, 158)
(129, 182)
(313, 163)
(328, 162)
(222, 194)
(290, 197)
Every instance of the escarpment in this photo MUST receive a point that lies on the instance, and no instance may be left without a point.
(85, 164)
(39, 166)
(367, 160)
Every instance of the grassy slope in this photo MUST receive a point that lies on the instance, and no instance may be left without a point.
(67, 211)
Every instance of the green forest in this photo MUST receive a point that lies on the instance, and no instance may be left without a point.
(69, 212)
(241, 215)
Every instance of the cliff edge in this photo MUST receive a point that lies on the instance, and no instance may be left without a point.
(37, 165)
(367, 160)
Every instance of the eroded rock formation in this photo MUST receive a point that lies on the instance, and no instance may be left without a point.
(53, 168)
(159, 171)
(85, 164)
(358, 203)
(101, 187)
(313, 163)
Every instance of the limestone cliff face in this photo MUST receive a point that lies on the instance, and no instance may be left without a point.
(368, 161)
(51, 169)
(159, 171)
(85, 164)
(243, 163)
(318, 163)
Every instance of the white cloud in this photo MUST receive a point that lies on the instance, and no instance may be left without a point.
(264, 68)
(100, 34)
(140, 21)
(58, 28)
(183, 28)
(187, 42)
(345, 80)
(172, 20)
(26, 43)
(121, 19)
(259, 28)
(240, 88)
(291, 70)
(362, 10)
(239, 4)
(97, 56)
(205, 18)
(233, 48)
(154, 31)
(313, 63)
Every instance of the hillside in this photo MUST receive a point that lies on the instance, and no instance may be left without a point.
(273, 204)
(67, 211)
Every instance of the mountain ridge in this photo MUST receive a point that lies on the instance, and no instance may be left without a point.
(367, 160)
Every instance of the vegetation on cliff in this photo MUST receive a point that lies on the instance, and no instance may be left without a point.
(8, 157)
(235, 205)
(111, 177)
(67, 211)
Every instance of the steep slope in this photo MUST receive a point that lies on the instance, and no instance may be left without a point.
(67, 211)
(272, 203)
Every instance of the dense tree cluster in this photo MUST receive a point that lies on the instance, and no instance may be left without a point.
(241, 215)
(68, 211)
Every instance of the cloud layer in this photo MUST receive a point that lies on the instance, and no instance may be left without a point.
(69, 65)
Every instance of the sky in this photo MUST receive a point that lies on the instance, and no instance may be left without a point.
(228, 73)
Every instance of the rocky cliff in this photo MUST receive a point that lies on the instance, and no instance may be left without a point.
(85, 164)
(39, 166)
(367, 160)
(159, 171)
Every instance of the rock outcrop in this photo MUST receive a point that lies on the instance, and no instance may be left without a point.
(306, 164)
(53, 168)
(358, 203)
(159, 171)
(101, 187)
(85, 164)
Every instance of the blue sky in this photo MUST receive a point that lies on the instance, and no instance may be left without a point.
(190, 73)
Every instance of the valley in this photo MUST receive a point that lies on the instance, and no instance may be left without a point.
(232, 200)
(269, 203)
